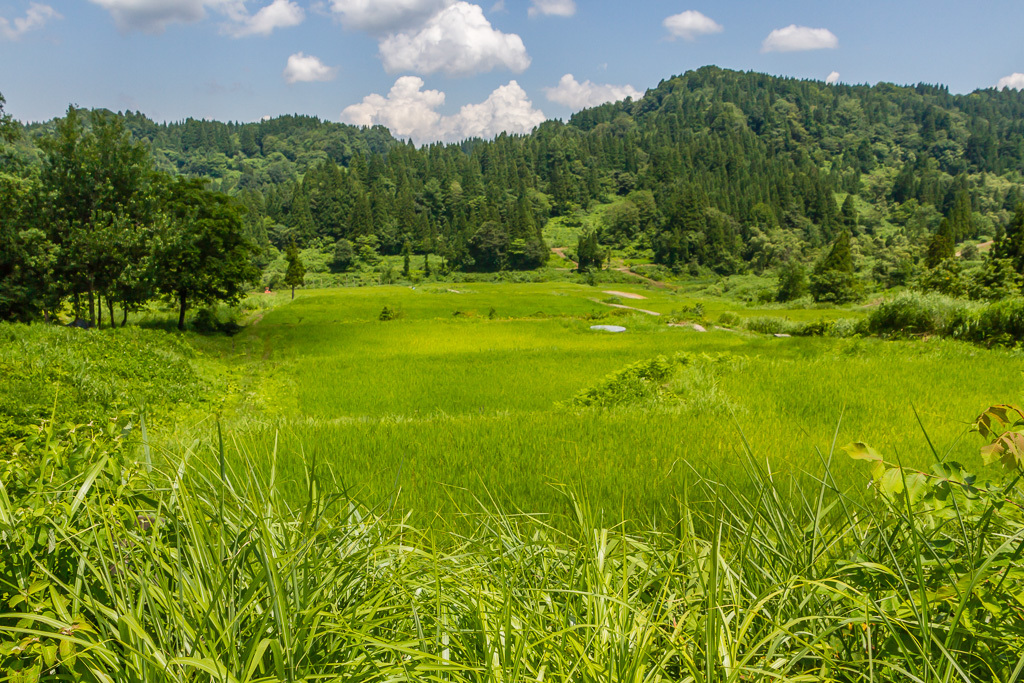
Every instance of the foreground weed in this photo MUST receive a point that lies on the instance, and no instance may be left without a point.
(113, 569)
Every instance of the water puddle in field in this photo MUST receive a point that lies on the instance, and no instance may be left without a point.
(608, 328)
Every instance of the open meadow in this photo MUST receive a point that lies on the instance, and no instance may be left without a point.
(462, 401)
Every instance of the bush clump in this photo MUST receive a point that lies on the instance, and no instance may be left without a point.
(912, 313)
(636, 382)
(388, 313)
(1000, 322)
(729, 319)
(840, 328)
(772, 325)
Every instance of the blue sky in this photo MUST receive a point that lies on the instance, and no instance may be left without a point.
(445, 69)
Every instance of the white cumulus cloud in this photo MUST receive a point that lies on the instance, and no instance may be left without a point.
(386, 16)
(278, 14)
(832, 78)
(576, 95)
(302, 68)
(795, 38)
(558, 8)
(36, 16)
(507, 110)
(690, 24)
(1013, 81)
(458, 41)
(409, 111)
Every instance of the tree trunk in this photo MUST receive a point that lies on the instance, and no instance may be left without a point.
(92, 306)
(181, 311)
(124, 320)
(78, 305)
(293, 292)
(110, 309)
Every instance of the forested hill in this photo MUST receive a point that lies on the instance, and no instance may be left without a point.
(712, 170)
(277, 149)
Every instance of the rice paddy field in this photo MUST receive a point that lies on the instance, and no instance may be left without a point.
(465, 482)
(460, 403)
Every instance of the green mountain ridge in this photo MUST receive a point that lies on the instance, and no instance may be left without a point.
(710, 171)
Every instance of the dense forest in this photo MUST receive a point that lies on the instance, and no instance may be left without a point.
(714, 171)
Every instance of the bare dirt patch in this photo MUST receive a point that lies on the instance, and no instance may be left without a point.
(624, 295)
(628, 308)
(560, 251)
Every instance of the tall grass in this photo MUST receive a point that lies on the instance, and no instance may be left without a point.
(118, 570)
(1000, 322)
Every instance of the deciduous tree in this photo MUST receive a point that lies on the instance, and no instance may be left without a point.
(202, 256)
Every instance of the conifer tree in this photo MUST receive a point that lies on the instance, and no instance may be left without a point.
(1011, 245)
(8, 129)
(588, 252)
(848, 214)
(406, 259)
(295, 276)
(941, 245)
(833, 277)
(961, 219)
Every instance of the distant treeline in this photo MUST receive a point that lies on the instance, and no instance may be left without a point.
(714, 170)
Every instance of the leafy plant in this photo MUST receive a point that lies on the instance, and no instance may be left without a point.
(388, 313)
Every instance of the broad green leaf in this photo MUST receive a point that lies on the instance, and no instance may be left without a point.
(858, 450)
(891, 485)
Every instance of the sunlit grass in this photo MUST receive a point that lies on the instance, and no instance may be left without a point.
(440, 412)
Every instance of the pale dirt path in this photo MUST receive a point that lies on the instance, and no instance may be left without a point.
(628, 308)
(652, 283)
(622, 269)
(624, 295)
(561, 253)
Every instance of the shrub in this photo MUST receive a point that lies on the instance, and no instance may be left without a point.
(842, 327)
(772, 325)
(729, 319)
(387, 313)
(1002, 321)
(793, 283)
(996, 280)
(945, 278)
(207, 321)
(638, 381)
(916, 313)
